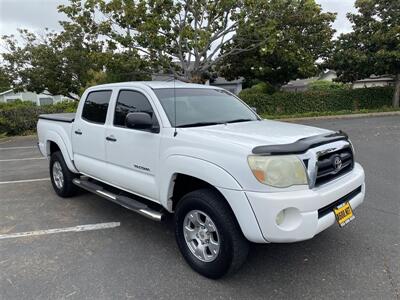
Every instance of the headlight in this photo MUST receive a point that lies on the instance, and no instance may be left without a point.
(278, 171)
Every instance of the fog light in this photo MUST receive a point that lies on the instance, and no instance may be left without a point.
(280, 217)
(288, 219)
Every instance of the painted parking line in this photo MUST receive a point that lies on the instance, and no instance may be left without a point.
(24, 181)
(16, 148)
(5, 141)
(79, 228)
(18, 159)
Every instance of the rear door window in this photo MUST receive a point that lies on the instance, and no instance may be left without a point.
(96, 106)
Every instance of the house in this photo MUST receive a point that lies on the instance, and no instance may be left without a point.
(298, 85)
(301, 85)
(373, 81)
(233, 86)
(39, 99)
(328, 75)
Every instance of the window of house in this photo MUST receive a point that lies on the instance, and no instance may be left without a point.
(45, 101)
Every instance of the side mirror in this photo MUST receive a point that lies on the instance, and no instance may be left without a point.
(254, 109)
(139, 120)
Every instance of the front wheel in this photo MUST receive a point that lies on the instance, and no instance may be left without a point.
(208, 234)
(61, 177)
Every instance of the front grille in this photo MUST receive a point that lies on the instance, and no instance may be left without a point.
(327, 166)
(329, 208)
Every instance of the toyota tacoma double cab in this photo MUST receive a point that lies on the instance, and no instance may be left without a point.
(200, 154)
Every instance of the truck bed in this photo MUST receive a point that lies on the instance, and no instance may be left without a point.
(62, 117)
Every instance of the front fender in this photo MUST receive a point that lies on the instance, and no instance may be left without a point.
(217, 177)
(195, 167)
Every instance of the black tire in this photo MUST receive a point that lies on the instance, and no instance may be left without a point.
(68, 189)
(233, 247)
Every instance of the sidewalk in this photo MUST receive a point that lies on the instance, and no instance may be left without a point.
(347, 116)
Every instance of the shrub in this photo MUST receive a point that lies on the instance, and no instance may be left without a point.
(20, 117)
(286, 103)
(263, 87)
(325, 85)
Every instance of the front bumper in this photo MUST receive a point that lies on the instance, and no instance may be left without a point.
(301, 220)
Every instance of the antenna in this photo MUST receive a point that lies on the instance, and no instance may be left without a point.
(175, 132)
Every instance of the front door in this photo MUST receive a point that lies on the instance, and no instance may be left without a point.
(133, 154)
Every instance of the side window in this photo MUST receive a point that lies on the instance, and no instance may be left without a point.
(131, 101)
(95, 107)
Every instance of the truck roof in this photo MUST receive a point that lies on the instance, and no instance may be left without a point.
(155, 85)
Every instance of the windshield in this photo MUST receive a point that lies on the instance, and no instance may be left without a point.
(201, 107)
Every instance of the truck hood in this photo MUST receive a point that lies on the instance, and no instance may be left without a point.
(255, 133)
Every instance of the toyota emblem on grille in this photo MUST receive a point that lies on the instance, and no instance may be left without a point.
(337, 163)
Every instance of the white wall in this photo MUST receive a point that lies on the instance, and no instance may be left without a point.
(29, 96)
(361, 85)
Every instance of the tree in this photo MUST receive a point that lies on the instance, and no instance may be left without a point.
(298, 34)
(373, 47)
(183, 37)
(5, 82)
(67, 62)
(56, 63)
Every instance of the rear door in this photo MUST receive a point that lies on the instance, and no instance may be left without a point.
(133, 154)
(88, 134)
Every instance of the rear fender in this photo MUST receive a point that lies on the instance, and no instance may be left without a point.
(52, 136)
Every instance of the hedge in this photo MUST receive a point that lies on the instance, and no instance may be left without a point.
(20, 117)
(287, 103)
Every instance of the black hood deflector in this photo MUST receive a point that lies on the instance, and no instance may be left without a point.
(301, 145)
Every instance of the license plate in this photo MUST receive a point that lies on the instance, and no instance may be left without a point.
(344, 214)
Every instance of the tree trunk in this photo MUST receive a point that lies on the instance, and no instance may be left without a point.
(195, 77)
(396, 95)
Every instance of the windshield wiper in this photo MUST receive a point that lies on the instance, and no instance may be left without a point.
(239, 120)
(198, 124)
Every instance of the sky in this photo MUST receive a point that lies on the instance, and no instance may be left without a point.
(36, 15)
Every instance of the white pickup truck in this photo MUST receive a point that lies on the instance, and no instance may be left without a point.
(200, 153)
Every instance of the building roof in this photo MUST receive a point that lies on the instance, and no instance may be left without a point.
(5, 92)
(324, 74)
(223, 81)
(155, 84)
(300, 82)
(374, 79)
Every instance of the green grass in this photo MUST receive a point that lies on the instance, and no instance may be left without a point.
(329, 113)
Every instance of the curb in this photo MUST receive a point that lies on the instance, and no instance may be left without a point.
(8, 139)
(348, 116)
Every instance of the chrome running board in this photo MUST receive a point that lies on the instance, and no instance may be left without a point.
(125, 201)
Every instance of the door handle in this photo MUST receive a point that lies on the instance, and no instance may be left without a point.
(79, 132)
(111, 138)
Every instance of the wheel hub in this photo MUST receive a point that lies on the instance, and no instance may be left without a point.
(58, 175)
(201, 235)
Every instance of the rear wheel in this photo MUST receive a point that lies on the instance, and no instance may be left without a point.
(208, 234)
(61, 177)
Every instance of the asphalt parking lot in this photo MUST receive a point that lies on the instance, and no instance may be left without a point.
(139, 258)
